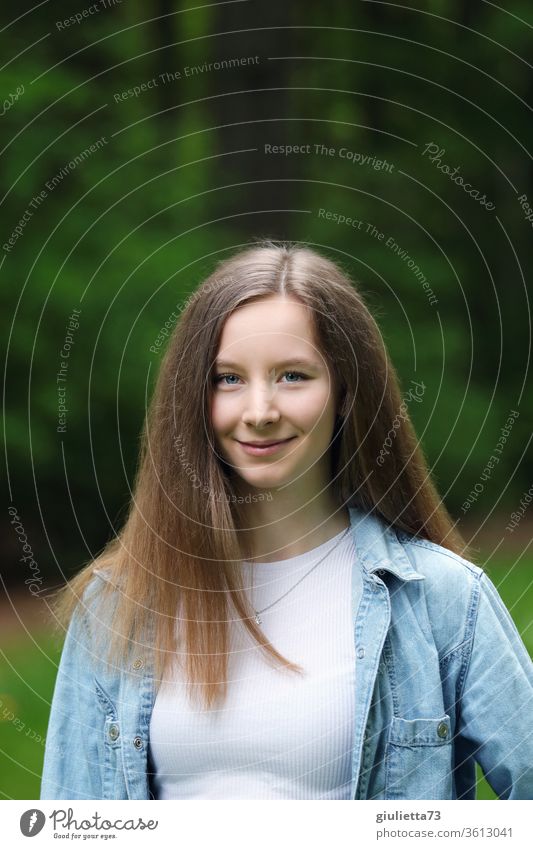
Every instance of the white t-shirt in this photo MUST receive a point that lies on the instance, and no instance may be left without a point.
(279, 735)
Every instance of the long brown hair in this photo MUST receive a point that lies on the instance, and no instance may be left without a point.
(177, 557)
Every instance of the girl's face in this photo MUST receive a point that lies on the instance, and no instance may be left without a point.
(272, 384)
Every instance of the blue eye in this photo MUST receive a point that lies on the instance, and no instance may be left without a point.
(297, 373)
(220, 377)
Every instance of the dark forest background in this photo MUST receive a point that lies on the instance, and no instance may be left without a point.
(182, 179)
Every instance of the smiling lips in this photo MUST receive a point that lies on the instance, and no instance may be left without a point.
(260, 448)
(265, 442)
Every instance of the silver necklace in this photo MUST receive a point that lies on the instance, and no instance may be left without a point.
(257, 612)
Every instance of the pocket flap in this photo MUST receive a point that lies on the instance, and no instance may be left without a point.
(420, 731)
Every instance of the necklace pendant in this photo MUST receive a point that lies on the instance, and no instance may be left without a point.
(258, 618)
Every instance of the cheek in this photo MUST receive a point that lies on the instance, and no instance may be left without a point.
(214, 412)
(315, 409)
(222, 413)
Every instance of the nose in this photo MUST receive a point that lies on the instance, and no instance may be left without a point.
(260, 408)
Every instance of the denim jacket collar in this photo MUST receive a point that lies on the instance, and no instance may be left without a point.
(378, 547)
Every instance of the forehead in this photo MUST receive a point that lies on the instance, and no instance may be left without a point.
(278, 320)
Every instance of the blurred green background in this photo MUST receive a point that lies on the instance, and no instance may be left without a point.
(135, 155)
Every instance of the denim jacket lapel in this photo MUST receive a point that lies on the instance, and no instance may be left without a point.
(377, 551)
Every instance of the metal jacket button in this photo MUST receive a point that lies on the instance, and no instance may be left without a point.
(138, 663)
(137, 742)
(114, 732)
(360, 652)
(442, 729)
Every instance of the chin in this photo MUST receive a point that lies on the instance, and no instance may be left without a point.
(266, 480)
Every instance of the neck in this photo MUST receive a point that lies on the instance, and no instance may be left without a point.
(279, 528)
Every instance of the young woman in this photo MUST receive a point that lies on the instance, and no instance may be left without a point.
(286, 613)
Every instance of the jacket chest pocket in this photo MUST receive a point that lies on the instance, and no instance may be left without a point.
(111, 738)
(418, 759)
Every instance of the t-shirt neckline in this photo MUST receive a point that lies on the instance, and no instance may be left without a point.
(313, 553)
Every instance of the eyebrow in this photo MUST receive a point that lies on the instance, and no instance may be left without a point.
(298, 362)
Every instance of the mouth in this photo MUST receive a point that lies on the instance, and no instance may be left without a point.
(261, 448)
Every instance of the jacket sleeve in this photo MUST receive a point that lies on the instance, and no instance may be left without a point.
(72, 760)
(497, 698)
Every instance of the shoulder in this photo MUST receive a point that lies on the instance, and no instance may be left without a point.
(102, 574)
(90, 643)
(94, 606)
(103, 583)
(437, 562)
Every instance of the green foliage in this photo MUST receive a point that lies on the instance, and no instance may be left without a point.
(181, 177)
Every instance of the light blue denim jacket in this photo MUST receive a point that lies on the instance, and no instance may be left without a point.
(443, 679)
